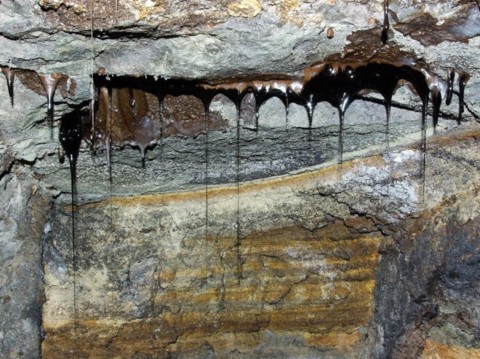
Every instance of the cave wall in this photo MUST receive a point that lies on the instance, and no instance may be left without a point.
(23, 220)
(368, 259)
(335, 263)
(156, 278)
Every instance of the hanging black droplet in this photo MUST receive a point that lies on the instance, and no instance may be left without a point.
(70, 135)
(10, 76)
(49, 83)
(450, 80)
(462, 82)
(436, 102)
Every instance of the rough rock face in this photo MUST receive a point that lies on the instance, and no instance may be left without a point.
(231, 242)
(339, 263)
(196, 287)
(23, 217)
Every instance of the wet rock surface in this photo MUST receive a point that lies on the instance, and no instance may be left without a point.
(303, 258)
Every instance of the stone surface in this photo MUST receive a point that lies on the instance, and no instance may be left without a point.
(439, 350)
(343, 263)
(428, 274)
(340, 263)
(188, 288)
(23, 217)
(188, 40)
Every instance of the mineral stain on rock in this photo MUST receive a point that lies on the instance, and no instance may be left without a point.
(244, 8)
(460, 26)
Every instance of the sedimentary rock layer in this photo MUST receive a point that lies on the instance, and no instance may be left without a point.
(180, 281)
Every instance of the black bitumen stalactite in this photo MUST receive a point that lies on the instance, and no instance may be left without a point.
(207, 119)
(436, 103)
(70, 136)
(337, 83)
(10, 77)
(462, 82)
(109, 136)
(386, 22)
(238, 232)
(450, 81)
(50, 83)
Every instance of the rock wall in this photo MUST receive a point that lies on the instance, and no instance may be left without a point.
(238, 243)
(425, 291)
(336, 262)
(23, 218)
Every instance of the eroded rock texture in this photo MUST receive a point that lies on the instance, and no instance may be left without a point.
(23, 220)
(194, 290)
(236, 241)
(330, 263)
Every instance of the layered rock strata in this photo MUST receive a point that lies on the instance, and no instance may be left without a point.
(202, 253)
